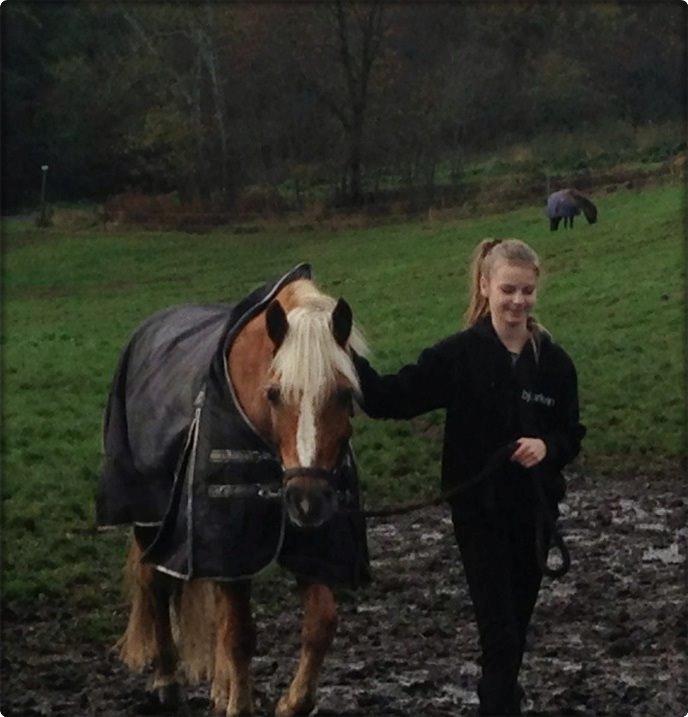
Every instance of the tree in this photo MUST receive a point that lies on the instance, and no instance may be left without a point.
(339, 46)
(207, 98)
(188, 111)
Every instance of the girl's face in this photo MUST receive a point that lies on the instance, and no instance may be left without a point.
(511, 292)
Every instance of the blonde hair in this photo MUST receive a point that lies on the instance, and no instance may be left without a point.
(309, 358)
(484, 258)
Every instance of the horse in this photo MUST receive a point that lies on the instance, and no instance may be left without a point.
(566, 204)
(285, 367)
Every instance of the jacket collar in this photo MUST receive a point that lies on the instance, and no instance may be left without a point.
(483, 327)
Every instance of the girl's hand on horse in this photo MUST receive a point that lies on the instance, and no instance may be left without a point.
(530, 452)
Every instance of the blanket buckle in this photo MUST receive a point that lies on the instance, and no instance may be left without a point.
(269, 492)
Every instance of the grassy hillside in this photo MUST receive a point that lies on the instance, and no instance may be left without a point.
(612, 295)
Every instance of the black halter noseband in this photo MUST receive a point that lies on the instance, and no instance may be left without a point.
(330, 475)
(312, 472)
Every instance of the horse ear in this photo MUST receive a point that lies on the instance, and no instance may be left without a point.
(342, 319)
(276, 323)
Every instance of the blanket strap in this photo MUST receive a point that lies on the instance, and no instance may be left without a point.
(268, 491)
(245, 490)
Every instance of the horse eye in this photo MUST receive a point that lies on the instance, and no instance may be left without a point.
(345, 396)
(273, 395)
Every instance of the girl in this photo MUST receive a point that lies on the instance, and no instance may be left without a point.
(502, 380)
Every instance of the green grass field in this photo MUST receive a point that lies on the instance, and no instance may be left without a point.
(612, 295)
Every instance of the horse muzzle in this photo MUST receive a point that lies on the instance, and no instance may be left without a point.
(309, 497)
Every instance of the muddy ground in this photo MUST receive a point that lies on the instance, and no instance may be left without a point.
(608, 639)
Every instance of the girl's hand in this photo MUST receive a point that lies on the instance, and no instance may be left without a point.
(530, 452)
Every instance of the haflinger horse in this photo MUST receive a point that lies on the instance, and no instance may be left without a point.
(227, 447)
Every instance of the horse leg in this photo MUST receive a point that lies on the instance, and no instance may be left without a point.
(319, 626)
(219, 691)
(236, 643)
(148, 637)
(166, 685)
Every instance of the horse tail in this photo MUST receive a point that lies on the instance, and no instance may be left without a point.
(137, 646)
(194, 624)
(192, 620)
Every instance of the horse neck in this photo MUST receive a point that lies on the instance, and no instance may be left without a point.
(248, 363)
(586, 205)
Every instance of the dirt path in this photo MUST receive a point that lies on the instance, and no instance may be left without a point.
(609, 639)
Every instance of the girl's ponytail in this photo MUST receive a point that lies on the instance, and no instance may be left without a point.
(477, 303)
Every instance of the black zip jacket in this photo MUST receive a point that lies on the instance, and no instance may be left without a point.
(489, 402)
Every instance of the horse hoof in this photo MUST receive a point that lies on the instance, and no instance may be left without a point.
(240, 713)
(167, 700)
(171, 695)
(219, 707)
(283, 708)
(243, 708)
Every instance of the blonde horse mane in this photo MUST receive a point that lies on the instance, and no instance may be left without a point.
(308, 361)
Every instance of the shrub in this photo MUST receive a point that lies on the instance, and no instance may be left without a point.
(74, 219)
(316, 211)
(135, 208)
(260, 200)
(164, 211)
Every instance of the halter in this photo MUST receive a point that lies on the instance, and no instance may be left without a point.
(274, 490)
(313, 472)
(330, 475)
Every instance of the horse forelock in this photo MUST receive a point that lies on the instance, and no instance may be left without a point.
(307, 363)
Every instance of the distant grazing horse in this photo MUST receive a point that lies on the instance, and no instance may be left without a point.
(566, 204)
(226, 444)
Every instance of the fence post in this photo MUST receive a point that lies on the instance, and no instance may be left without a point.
(43, 219)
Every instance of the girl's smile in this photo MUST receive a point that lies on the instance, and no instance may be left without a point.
(511, 292)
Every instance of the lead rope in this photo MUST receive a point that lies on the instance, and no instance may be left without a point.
(545, 520)
(544, 517)
(491, 466)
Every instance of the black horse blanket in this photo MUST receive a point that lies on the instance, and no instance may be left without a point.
(182, 460)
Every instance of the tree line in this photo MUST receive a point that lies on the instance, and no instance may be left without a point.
(209, 98)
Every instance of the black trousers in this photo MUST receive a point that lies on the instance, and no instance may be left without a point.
(498, 552)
